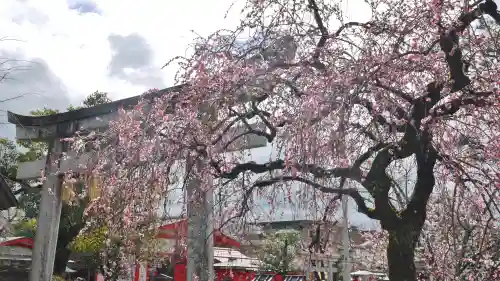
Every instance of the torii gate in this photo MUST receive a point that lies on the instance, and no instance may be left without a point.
(52, 129)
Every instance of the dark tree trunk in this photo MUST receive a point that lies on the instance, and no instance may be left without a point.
(61, 259)
(401, 252)
(69, 227)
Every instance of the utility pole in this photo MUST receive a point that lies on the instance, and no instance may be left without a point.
(200, 253)
(346, 268)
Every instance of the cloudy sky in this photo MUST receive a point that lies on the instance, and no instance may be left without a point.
(54, 53)
(58, 51)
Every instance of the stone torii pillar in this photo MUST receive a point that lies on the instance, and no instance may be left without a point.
(50, 206)
(54, 127)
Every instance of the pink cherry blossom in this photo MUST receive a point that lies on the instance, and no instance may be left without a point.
(403, 106)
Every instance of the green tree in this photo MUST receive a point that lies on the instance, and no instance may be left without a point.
(72, 215)
(8, 158)
(96, 98)
(25, 228)
(279, 252)
(91, 242)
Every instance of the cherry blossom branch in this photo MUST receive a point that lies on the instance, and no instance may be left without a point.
(280, 164)
(364, 130)
(424, 186)
(458, 167)
(424, 52)
(350, 24)
(449, 42)
(318, 172)
(266, 122)
(322, 188)
(378, 183)
(393, 90)
(352, 172)
(248, 115)
(418, 143)
(249, 132)
(378, 117)
(292, 87)
(451, 107)
(316, 239)
(324, 32)
(352, 192)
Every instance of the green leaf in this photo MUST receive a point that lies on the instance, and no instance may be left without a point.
(25, 228)
(90, 242)
(96, 98)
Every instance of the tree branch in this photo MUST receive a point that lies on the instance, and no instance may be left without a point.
(378, 117)
(316, 241)
(395, 91)
(352, 192)
(350, 24)
(449, 42)
(365, 131)
(451, 107)
(424, 186)
(243, 118)
(324, 32)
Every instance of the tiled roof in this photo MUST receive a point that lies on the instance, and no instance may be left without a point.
(233, 258)
(240, 263)
(228, 253)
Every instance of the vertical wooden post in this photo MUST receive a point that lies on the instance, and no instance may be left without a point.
(200, 226)
(200, 251)
(47, 230)
(346, 272)
(330, 269)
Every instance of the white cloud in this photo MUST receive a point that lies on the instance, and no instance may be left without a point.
(75, 45)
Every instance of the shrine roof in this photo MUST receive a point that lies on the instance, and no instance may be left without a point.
(24, 242)
(179, 228)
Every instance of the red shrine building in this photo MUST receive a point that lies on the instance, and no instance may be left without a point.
(229, 263)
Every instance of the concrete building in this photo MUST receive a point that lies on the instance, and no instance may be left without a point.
(331, 234)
